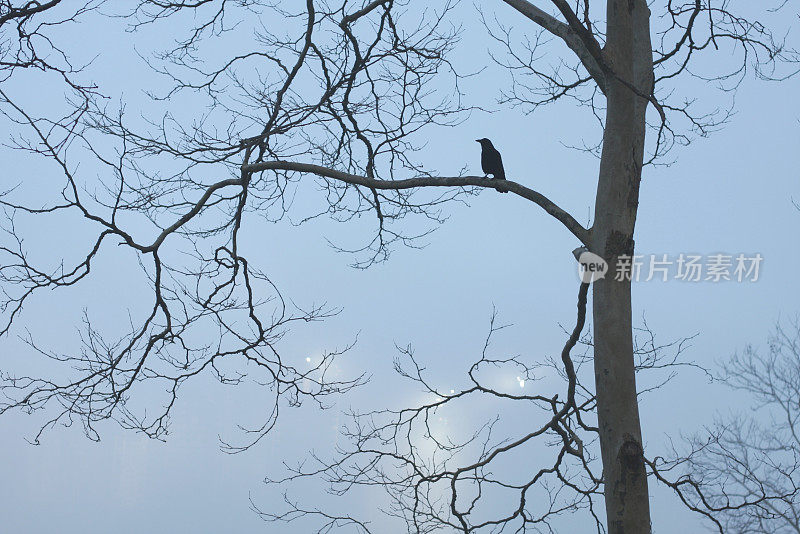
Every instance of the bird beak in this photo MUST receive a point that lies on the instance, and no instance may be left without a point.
(477, 140)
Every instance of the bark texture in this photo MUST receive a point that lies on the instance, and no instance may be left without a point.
(629, 55)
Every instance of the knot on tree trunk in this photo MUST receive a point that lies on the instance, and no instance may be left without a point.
(630, 455)
(618, 244)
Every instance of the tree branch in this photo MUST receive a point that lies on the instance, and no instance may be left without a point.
(439, 181)
(584, 46)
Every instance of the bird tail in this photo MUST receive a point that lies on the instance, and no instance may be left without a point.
(501, 176)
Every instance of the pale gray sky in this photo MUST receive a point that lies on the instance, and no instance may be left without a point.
(730, 193)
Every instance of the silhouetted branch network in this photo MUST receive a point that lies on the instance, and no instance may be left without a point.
(744, 470)
(349, 92)
(686, 32)
(334, 103)
(509, 461)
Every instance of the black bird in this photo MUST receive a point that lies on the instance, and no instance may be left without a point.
(491, 162)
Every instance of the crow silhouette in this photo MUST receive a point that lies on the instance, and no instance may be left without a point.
(491, 162)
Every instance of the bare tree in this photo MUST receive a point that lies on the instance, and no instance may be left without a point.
(752, 455)
(481, 477)
(215, 291)
(338, 99)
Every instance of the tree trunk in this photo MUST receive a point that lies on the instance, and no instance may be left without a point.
(628, 52)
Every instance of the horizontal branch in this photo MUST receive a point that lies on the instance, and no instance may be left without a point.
(439, 181)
